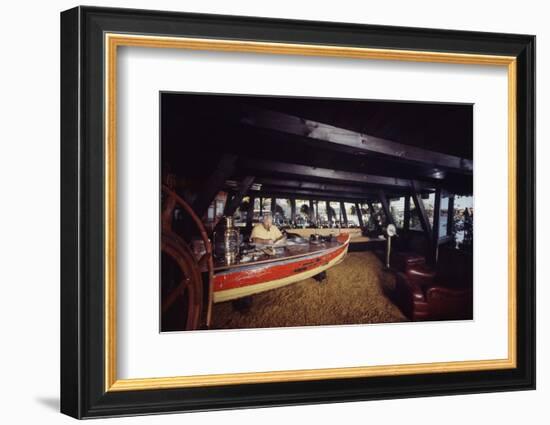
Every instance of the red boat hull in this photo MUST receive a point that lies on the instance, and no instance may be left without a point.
(251, 279)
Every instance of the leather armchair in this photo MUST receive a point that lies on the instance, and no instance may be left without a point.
(445, 293)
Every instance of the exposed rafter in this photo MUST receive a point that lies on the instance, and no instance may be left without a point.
(352, 141)
(359, 191)
(421, 211)
(234, 202)
(265, 166)
(214, 183)
(314, 195)
(386, 207)
(359, 215)
(436, 226)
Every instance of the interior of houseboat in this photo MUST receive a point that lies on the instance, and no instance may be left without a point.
(373, 201)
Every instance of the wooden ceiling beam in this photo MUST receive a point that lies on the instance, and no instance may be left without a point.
(235, 201)
(319, 186)
(316, 173)
(352, 141)
(273, 192)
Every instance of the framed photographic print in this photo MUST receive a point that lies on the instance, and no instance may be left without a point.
(261, 212)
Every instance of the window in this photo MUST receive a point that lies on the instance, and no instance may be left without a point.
(241, 212)
(322, 217)
(351, 213)
(429, 203)
(282, 212)
(215, 210)
(266, 206)
(397, 210)
(415, 217)
(335, 216)
(443, 216)
(257, 212)
(210, 215)
(303, 213)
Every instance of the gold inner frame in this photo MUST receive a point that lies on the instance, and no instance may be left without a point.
(113, 41)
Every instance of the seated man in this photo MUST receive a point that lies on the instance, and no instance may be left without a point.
(266, 232)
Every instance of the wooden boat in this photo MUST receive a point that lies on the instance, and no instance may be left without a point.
(280, 267)
(193, 281)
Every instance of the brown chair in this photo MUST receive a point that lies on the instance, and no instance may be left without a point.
(441, 293)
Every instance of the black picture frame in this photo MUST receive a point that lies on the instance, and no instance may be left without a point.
(83, 392)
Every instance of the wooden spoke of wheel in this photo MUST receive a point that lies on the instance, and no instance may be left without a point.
(206, 261)
(190, 283)
(180, 289)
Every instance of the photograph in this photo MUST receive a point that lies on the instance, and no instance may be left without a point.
(283, 212)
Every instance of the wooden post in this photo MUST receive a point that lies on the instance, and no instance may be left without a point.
(329, 214)
(373, 213)
(435, 228)
(450, 216)
(214, 184)
(273, 205)
(312, 214)
(386, 207)
(344, 213)
(419, 205)
(292, 210)
(359, 215)
(407, 214)
(234, 203)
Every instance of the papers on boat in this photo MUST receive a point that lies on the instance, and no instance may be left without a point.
(281, 242)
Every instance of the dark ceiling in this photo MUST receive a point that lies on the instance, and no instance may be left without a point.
(198, 129)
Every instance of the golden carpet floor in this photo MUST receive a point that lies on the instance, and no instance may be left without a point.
(353, 293)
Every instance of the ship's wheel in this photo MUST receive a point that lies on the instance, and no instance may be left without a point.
(185, 305)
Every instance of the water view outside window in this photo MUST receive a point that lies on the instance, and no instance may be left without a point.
(429, 203)
(283, 211)
(336, 214)
(443, 216)
(302, 213)
(351, 212)
(266, 206)
(257, 212)
(397, 209)
(322, 216)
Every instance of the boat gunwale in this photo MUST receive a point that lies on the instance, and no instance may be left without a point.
(236, 268)
(228, 294)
